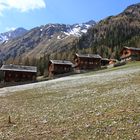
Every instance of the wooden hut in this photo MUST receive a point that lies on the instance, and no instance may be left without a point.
(19, 73)
(130, 54)
(87, 61)
(59, 67)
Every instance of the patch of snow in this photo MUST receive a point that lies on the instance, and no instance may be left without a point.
(58, 37)
(50, 25)
(9, 34)
(6, 41)
(87, 26)
(84, 31)
(66, 33)
(75, 31)
(77, 25)
(3, 38)
(65, 37)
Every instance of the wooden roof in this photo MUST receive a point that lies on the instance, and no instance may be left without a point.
(61, 62)
(105, 59)
(20, 68)
(132, 48)
(88, 55)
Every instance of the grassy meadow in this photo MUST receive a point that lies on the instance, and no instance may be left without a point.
(101, 105)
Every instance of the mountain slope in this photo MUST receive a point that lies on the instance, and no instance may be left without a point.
(44, 39)
(111, 34)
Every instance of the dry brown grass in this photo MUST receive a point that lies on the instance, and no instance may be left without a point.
(100, 110)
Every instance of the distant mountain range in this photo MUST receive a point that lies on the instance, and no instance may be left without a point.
(4, 37)
(37, 41)
(106, 37)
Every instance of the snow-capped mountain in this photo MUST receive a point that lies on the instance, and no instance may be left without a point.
(49, 38)
(64, 30)
(12, 34)
(79, 29)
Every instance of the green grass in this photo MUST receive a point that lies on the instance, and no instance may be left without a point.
(107, 111)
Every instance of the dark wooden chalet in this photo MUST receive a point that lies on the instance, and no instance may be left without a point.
(19, 73)
(87, 61)
(130, 53)
(59, 67)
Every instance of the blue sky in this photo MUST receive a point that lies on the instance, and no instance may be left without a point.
(32, 13)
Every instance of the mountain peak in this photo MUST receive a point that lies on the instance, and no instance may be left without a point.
(134, 6)
(20, 29)
(12, 34)
(133, 10)
(91, 22)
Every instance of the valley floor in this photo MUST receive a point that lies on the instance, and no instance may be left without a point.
(97, 105)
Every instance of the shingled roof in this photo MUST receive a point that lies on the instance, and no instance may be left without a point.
(132, 48)
(21, 68)
(61, 62)
(105, 59)
(88, 55)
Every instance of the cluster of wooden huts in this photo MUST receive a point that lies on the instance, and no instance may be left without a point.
(81, 62)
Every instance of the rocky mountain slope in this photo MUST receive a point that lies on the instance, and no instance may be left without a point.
(4, 37)
(44, 39)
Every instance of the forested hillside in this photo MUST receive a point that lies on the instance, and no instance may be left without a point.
(114, 32)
